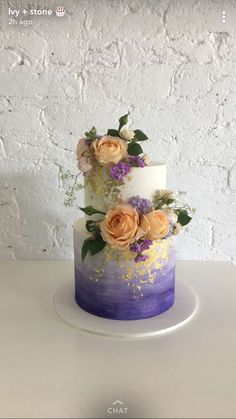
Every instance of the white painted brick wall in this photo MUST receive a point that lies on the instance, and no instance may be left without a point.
(172, 62)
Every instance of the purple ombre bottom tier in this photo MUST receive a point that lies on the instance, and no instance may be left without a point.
(121, 290)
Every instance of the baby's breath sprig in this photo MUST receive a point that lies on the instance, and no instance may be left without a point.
(74, 185)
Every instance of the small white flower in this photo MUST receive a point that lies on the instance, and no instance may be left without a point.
(127, 134)
(171, 215)
(177, 228)
(146, 159)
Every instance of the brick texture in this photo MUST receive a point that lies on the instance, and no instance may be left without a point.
(172, 63)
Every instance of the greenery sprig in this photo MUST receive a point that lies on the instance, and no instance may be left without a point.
(134, 149)
(74, 186)
(91, 210)
(161, 200)
(95, 243)
(92, 134)
(183, 216)
(123, 120)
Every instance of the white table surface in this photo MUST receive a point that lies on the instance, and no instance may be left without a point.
(48, 369)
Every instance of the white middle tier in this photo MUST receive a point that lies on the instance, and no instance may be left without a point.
(143, 181)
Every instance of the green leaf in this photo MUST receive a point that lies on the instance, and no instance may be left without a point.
(169, 201)
(97, 245)
(134, 149)
(183, 217)
(123, 120)
(113, 132)
(92, 245)
(91, 226)
(85, 248)
(90, 210)
(139, 135)
(159, 205)
(92, 134)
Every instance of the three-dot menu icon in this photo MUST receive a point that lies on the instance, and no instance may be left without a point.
(223, 16)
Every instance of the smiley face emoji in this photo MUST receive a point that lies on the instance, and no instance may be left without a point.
(60, 11)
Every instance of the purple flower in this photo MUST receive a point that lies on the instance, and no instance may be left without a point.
(138, 247)
(119, 170)
(140, 258)
(141, 205)
(145, 244)
(136, 161)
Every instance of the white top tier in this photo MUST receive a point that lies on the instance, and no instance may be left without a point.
(142, 181)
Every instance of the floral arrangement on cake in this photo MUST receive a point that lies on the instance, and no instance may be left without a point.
(117, 151)
(137, 223)
(111, 155)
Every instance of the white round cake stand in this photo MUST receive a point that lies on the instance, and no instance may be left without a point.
(183, 310)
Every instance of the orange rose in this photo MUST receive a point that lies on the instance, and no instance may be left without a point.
(120, 227)
(155, 224)
(109, 149)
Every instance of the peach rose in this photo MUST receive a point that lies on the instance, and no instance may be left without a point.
(155, 224)
(120, 227)
(109, 149)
